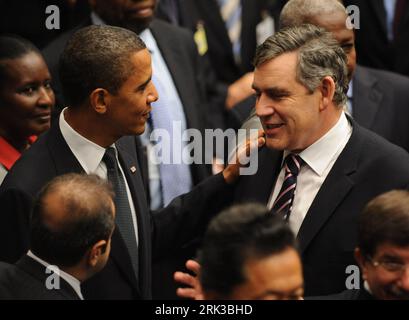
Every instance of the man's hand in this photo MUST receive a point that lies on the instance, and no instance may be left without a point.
(194, 290)
(232, 171)
(239, 90)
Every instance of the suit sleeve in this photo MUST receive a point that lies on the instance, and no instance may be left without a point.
(14, 224)
(187, 216)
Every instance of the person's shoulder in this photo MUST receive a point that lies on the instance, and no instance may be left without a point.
(30, 169)
(171, 30)
(53, 50)
(353, 294)
(378, 153)
(392, 80)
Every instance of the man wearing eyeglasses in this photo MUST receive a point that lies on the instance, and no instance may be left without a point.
(383, 249)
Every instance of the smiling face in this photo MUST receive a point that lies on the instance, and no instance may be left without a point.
(386, 284)
(131, 14)
(26, 97)
(128, 109)
(290, 115)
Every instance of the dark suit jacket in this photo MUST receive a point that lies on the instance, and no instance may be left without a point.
(26, 280)
(367, 167)
(354, 294)
(373, 47)
(381, 103)
(159, 232)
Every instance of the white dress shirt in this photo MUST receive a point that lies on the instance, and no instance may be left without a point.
(72, 281)
(90, 155)
(3, 173)
(319, 159)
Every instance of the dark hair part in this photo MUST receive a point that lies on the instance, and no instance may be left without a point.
(97, 57)
(85, 217)
(236, 235)
(319, 55)
(13, 47)
(385, 219)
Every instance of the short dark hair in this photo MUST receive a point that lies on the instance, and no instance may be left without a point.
(85, 217)
(236, 235)
(13, 47)
(385, 219)
(319, 55)
(97, 57)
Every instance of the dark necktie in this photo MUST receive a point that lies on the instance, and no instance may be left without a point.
(123, 217)
(284, 201)
(400, 10)
(231, 12)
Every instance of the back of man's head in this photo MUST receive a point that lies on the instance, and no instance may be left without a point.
(298, 12)
(97, 57)
(236, 236)
(71, 214)
(385, 219)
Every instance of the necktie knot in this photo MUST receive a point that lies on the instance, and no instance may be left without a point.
(293, 164)
(284, 201)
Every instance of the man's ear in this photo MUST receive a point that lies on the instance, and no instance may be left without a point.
(95, 253)
(362, 262)
(327, 89)
(100, 99)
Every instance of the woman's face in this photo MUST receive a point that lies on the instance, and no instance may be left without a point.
(26, 97)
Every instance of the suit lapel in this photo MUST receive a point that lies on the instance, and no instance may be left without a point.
(64, 159)
(259, 187)
(367, 98)
(334, 189)
(38, 271)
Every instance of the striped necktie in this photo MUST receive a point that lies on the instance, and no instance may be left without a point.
(284, 201)
(231, 11)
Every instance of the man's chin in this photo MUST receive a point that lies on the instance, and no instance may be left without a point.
(139, 26)
(274, 144)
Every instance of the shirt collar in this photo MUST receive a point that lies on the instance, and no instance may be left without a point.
(72, 281)
(319, 155)
(96, 19)
(350, 93)
(88, 153)
(149, 40)
(367, 288)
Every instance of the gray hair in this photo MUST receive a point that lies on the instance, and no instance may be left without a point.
(298, 12)
(97, 57)
(319, 55)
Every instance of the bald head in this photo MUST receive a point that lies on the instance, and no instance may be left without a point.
(297, 12)
(328, 14)
(71, 213)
